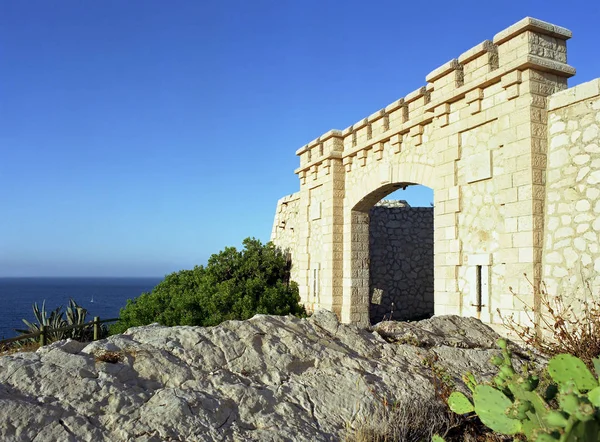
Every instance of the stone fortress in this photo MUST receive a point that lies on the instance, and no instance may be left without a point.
(513, 158)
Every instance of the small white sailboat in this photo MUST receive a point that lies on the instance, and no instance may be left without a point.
(92, 298)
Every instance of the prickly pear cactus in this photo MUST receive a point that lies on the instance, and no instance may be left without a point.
(513, 406)
(470, 381)
(594, 397)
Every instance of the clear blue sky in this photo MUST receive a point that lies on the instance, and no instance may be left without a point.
(139, 137)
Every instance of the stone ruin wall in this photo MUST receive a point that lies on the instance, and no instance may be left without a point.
(285, 228)
(478, 135)
(401, 261)
(572, 224)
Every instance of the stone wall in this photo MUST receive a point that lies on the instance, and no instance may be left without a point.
(285, 228)
(478, 135)
(401, 261)
(572, 224)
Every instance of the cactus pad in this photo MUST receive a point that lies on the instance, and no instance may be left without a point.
(544, 437)
(490, 405)
(569, 402)
(596, 362)
(459, 403)
(557, 419)
(594, 396)
(564, 368)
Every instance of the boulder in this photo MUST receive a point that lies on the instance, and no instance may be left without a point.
(269, 378)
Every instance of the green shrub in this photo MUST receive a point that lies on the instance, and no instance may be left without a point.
(234, 285)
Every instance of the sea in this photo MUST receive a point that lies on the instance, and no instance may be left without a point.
(102, 297)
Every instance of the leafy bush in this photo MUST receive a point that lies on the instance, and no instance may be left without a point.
(234, 285)
(75, 315)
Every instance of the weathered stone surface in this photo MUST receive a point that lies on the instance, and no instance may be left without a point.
(265, 379)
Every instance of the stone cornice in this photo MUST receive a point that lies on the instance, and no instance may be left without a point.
(445, 86)
(532, 24)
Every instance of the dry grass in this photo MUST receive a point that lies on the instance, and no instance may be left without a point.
(16, 347)
(563, 325)
(442, 381)
(410, 421)
(406, 420)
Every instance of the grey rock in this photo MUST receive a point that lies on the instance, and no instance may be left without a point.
(269, 378)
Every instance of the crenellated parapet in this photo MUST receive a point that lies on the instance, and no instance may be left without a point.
(528, 44)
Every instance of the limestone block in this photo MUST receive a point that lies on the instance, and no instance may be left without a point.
(479, 60)
(478, 167)
(509, 255)
(442, 114)
(379, 122)
(507, 195)
(454, 259)
(396, 143)
(452, 206)
(446, 78)
(481, 259)
(573, 95)
(361, 157)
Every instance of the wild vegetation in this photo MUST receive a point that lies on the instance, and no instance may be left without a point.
(233, 285)
(568, 409)
(557, 402)
(74, 314)
(570, 326)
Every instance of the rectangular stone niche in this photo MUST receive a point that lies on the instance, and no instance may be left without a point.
(315, 210)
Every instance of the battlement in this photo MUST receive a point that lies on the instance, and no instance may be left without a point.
(528, 44)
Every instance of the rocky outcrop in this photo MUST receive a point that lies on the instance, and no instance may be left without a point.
(269, 378)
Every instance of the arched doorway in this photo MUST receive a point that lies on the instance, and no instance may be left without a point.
(401, 255)
(392, 243)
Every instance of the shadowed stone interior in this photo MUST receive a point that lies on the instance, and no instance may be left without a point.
(401, 261)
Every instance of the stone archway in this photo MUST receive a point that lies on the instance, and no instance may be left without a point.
(398, 274)
(476, 135)
(372, 186)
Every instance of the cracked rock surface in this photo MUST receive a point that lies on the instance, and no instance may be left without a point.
(269, 378)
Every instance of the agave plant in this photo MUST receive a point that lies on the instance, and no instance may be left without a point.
(52, 321)
(75, 315)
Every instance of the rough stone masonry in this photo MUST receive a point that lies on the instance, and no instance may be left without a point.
(401, 261)
(512, 156)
